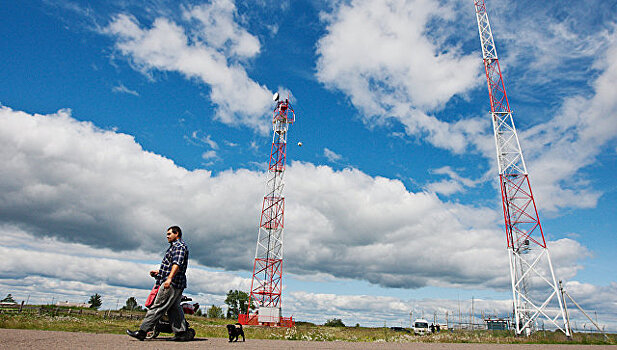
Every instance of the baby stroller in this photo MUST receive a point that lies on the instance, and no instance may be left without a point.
(164, 326)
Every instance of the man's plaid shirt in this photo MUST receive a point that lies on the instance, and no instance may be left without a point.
(177, 253)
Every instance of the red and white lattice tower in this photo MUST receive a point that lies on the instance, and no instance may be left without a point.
(267, 283)
(535, 290)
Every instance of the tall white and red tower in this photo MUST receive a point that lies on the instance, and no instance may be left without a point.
(535, 290)
(267, 283)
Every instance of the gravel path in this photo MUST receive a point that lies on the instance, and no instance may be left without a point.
(46, 340)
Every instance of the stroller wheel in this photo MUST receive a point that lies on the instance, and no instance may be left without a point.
(191, 332)
(152, 334)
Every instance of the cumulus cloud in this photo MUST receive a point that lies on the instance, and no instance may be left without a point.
(392, 62)
(71, 180)
(43, 266)
(445, 187)
(215, 26)
(388, 61)
(212, 52)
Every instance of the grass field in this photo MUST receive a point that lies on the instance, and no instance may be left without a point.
(47, 319)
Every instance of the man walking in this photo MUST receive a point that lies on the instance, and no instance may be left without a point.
(171, 277)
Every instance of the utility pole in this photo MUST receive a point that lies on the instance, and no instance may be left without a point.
(471, 315)
(460, 317)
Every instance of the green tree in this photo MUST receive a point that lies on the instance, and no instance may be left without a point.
(335, 322)
(8, 299)
(95, 301)
(237, 302)
(215, 312)
(131, 305)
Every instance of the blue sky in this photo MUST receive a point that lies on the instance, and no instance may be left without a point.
(121, 119)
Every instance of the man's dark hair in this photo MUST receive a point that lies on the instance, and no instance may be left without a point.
(176, 230)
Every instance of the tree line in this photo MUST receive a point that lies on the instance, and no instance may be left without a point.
(237, 303)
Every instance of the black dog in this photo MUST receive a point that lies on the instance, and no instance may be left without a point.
(235, 330)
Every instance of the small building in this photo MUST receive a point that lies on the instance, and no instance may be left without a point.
(497, 324)
(8, 304)
(67, 304)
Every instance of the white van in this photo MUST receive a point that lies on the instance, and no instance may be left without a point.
(420, 326)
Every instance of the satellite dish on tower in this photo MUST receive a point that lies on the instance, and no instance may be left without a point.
(275, 97)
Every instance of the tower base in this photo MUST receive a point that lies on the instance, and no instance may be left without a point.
(253, 320)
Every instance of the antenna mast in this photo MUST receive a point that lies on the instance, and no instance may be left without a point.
(535, 290)
(267, 282)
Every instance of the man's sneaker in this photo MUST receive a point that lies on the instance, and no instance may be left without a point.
(139, 334)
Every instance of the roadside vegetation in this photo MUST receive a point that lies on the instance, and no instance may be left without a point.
(51, 318)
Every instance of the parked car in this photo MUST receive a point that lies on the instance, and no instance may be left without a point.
(420, 326)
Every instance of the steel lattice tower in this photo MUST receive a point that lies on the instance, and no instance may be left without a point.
(266, 285)
(535, 290)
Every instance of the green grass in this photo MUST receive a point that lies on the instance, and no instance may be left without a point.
(215, 328)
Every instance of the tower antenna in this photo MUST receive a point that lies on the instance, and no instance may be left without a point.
(535, 291)
(267, 281)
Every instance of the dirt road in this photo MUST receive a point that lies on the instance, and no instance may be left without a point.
(46, 340)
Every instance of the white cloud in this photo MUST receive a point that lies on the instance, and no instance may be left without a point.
(68, 179)
(217, 28)
(331, 155)
(374, 310)
(445, 187)
(381, 56)
(602, 299)
(212, 54)
(549, 41)
(455, 184)
(572, 140)
(390, 64)
(374, 229)
(121, 89)
(197, 138)
(88, 185)
(36, 264)
(78, 201)
(208, 155)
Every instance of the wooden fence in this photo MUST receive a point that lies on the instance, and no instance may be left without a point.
(58, 310)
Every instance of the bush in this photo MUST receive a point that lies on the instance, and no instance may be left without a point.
(335, 322)
(95, 301)
(215, 312)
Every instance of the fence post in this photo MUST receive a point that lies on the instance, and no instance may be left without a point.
(21, 306)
